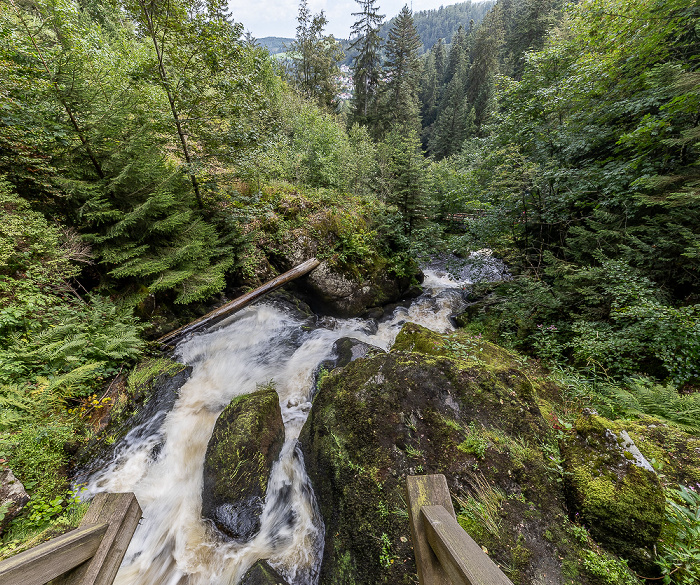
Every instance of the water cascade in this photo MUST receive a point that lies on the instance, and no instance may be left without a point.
(162, 462)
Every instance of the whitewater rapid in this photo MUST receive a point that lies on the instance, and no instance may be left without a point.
(173, 545)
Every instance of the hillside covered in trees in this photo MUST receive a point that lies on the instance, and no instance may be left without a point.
(154, 163)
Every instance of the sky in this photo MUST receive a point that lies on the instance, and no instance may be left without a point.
(278, 18)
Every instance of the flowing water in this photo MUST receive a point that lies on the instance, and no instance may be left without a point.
(162, 462)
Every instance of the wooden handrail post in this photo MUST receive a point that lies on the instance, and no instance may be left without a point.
(88, 555)
(460, 556)
(427, 490)
(445, 553)
(123, 513)
(51, 559)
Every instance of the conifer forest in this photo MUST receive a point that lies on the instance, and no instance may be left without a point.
(156, 161)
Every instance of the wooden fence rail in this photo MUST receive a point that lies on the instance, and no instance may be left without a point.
(88, 555)
(445, 553)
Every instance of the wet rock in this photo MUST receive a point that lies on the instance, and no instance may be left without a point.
(348, 349)
(261, 573)
(613, 489)
(434, 404)
(139, 407)
(13, 497)
(349, 295)
(246, 441)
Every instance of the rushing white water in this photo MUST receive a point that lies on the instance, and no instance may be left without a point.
(173, 544)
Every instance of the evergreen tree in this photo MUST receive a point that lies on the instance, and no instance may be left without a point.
(313, 63)
(367, 64)
(484, 66)
(399, 101)
(406, 174)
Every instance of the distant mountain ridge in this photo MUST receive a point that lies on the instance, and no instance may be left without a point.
(274, 44)
(439, 23)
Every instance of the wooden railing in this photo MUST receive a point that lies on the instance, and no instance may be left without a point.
(88, 555)
(445, 553)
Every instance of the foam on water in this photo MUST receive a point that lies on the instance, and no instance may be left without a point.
(173, 545)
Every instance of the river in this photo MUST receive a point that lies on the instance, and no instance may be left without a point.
(163, 466)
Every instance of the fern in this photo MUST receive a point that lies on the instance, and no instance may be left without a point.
(662, 402)
(20, 404)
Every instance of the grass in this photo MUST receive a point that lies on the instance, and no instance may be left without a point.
(480, 510)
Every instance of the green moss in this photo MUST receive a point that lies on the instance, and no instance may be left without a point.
(144, 373)
(235, 450)
(607, 569)
(620, 502)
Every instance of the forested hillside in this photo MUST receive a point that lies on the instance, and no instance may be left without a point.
(155, 162)
(444, 22)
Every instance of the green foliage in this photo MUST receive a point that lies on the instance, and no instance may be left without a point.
(441, 24)
(37, 455)
(474, 444)
(633, 397)
(608, 569)
(479, 512)
(367, 63)
(398, 99)
(405, 171)
(679, 553)
(312, 64)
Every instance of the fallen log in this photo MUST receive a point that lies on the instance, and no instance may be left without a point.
(169, 339)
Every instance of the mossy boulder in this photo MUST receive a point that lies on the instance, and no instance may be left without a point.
(338, 229)
(672, 451)
(612, 488)
(261, 573)
(446, 404)
(246, 441)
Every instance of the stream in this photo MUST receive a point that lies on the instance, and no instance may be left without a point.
(162, 462)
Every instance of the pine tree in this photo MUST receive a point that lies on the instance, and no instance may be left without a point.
(399, 102)
(367, 64)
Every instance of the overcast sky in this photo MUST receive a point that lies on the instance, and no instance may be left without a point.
(278, 18)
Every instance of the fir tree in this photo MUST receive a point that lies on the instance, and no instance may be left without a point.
(399, 107)
(367, 64)
(313, 65)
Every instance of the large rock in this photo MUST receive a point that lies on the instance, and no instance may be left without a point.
(246, 441)
(613, 489)
(436, 404)
(261, 573)
(13, 497)
(345, 291)
(349, 295)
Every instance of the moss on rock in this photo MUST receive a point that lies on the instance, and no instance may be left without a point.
(407, 412)
(261, 573)
(612, 489)
(246, 441)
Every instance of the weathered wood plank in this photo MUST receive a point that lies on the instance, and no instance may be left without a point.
(426, 490)
(225, 310)
(460, 556)
(122, 512)
(51, 559)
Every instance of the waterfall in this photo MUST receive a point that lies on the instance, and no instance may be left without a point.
(173, 545)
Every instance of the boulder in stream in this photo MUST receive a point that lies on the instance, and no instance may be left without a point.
(246, 441)
(451, 404)
(261, 573)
